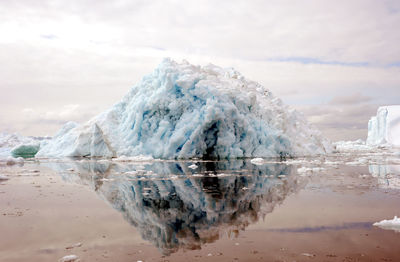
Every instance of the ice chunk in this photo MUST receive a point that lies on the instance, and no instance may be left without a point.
(25, 150)
(392, 224)
(139, 158)
(69, 258)
(17, 145)
(74, 245)
(187, 111)
(384, 128)
(257, 161)
(193, 166)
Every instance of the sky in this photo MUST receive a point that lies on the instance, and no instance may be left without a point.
(335, 61)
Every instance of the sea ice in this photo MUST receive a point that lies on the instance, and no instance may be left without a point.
(257, 161)
(69, 258)
(384, 128)
(193, 166)
(392, 224)
(352, 146)
(187, 111)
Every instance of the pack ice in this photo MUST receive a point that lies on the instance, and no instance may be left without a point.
(384, 128)
(187, 111)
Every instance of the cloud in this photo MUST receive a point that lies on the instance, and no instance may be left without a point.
(343, 118)
(49, 36)
(319, 56)
(355, 98)
(71, 112)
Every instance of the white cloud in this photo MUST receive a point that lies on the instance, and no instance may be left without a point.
(90, 52)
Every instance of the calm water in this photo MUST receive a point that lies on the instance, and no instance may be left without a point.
(219, 211)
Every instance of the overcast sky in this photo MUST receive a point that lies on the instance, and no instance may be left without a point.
(336, 61)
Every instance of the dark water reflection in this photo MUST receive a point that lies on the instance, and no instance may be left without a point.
(175, 207)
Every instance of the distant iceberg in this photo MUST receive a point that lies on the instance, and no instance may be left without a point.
(186, 111)
(17, 145)
(384, 128)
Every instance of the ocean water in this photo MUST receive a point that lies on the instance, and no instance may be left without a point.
(320, 209)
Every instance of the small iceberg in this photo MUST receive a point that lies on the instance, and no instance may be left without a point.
(392, 224)
(384, 128)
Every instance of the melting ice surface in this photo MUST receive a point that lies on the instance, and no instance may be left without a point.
(176, 207)
(187, 111)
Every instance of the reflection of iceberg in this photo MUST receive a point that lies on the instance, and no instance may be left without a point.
(174, 209)
(388, 175)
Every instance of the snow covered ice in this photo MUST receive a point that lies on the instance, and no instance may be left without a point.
(384, 128)
(187, 111)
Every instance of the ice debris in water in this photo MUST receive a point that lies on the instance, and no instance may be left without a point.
(187, 111)
(384, 128)
(74, 245)
(392, 224)
(12, 160)
(257, 161)
(193, 166)
(139, 158)
(69, 258)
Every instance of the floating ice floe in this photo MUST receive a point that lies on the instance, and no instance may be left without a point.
(384, 128)
(139, 158)
(74, 245)
(193, 166)
(69, 258)
(392, 224)
(257, 161)
(187, 111)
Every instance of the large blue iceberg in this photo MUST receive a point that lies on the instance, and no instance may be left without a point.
(187, 111)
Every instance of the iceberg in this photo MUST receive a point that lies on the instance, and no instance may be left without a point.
(183, 111)
(391, 224)
(384, 128)
(25, 150)
(16, 145)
